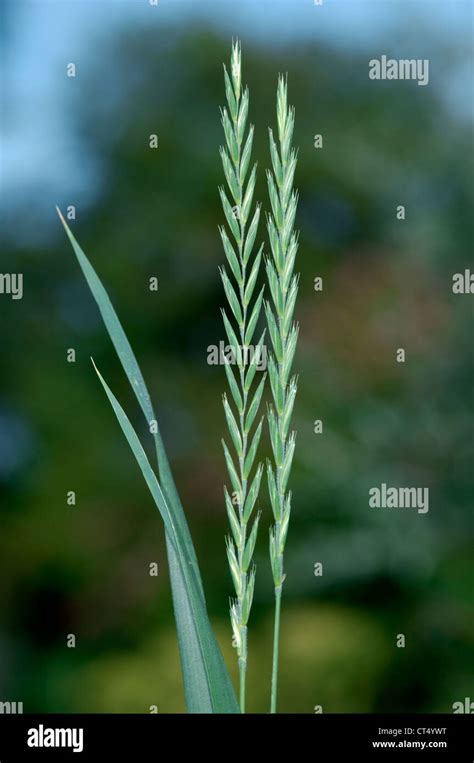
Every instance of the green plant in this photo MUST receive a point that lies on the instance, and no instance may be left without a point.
(245, 269)
(207, 685)
(283, 331)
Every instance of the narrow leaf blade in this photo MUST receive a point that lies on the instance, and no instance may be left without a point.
(195, 681)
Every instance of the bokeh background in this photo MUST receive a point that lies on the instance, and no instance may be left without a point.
(83, 141)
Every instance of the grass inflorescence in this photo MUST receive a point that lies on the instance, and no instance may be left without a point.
(283, 285)
(245, 308)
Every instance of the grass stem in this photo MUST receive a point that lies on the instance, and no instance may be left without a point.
(276, 649)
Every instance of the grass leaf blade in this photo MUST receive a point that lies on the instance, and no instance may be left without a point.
(195, 682)
(220, 693)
